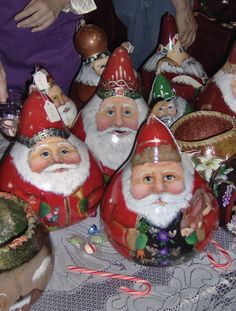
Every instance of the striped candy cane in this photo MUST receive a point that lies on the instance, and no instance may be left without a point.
(117, 276)
(224, 252)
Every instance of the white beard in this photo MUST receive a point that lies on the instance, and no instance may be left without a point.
(223, 81)
(189, 66)
(68, 112)
(109, 148)
(64, 183)
(87, 75)
(157, 215)
(151, 64)
(180, 104)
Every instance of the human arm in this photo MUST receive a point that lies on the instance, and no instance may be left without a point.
(185, 21)
(3, 84)
(40, 14)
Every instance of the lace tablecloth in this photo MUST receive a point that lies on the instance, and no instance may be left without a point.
(195, 285)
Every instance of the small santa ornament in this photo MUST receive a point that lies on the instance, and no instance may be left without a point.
(44, 82)
(50, 168)
(91, 43)
(220, 91)
(184, 72)
(164, 103)
(109, 121)
(157, 210)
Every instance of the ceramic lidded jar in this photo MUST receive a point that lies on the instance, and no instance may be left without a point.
(26, 260)
(185, 73)
(157, 210)
(51, 168)
(224, 187)
(219, 94)
(209, 137)
(91, 43)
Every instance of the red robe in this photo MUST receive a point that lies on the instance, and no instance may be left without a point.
(55, 210)
(211, 98)
(118, 219)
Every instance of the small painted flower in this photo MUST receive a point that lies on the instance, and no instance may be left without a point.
(231, 226)
(208, 164)
(163, 251)
(227, 195)
(162, 236)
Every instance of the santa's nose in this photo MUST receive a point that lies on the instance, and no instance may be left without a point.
(158, 187)
(57, 158)
(118, 121)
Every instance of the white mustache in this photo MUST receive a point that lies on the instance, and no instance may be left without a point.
(56, 166)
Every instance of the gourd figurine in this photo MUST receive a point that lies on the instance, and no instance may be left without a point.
(91, 43)
(219, 94)
(26, 260)
(164, 103)
(158, 211)
(45, 83)
(185, 73)
(51, 168)
(109, 121)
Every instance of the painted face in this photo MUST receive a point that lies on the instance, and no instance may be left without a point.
(99, 65)
(164, 109)
(57, 96)
(177, 53)
(52, 150)
(117, 112)
(157, 178)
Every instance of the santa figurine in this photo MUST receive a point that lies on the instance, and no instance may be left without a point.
(50, 168)
(184, 72)
(157, 210)
(219, 93)
(91, 43)
(164, 103)
(109, 121)
(44, 82)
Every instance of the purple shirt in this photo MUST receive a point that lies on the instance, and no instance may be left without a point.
(51, 48)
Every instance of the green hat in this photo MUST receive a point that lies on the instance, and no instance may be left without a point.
(161, 88)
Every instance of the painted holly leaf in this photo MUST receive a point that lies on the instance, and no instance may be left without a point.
(83, 205)
(44, 209)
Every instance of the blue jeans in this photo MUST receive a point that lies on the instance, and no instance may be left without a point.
(142, 19)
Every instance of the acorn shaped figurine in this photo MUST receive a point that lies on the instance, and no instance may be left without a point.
(157, 210)
(25, 249)
(92, 44)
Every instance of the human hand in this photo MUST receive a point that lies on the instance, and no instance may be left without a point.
(40, 14)
(187, 27)
(3, 85)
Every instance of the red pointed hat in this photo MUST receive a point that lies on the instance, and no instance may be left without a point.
(169, 34)
(119, 77)
(155, 133)
(39, 119)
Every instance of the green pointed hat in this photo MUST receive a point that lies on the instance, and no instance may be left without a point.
(161, 88)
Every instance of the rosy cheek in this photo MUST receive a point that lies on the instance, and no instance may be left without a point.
(38, 165)
(103, 123)
(175, 187)
(131, 124)
(140, 191)
(72, 159)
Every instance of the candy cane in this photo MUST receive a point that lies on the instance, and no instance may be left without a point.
(117, 276)
(224, 252)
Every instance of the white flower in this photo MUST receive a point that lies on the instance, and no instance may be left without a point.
(208, 164)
